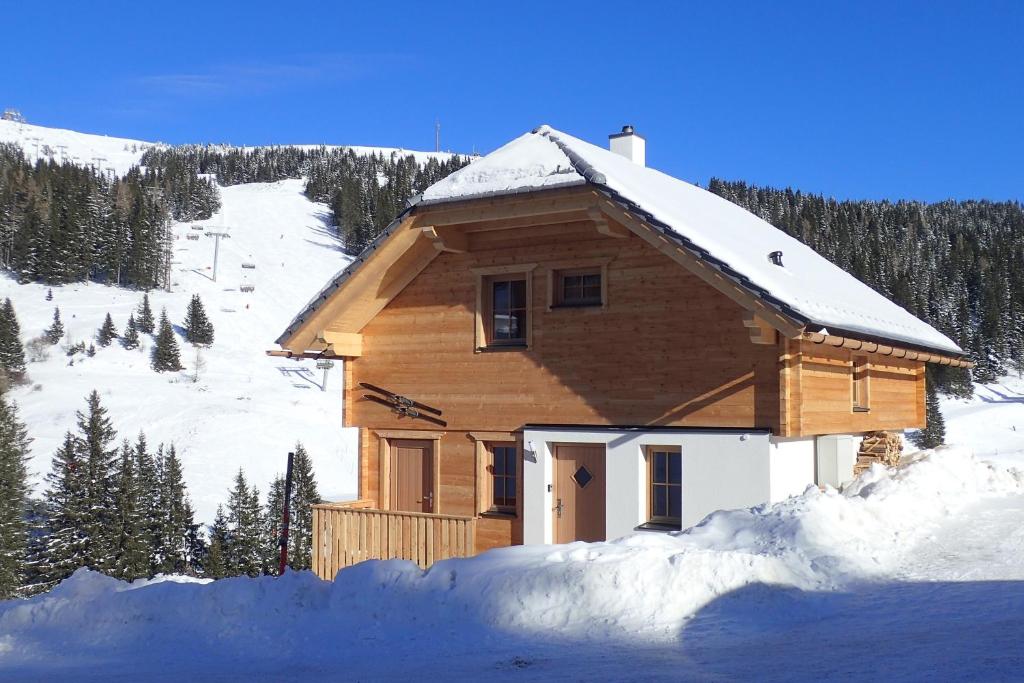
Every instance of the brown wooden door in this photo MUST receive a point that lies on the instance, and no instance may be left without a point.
(579, 493)
(412, 476)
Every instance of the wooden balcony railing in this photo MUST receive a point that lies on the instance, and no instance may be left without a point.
(347, 533)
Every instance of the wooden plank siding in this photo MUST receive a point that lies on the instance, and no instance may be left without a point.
(344, 536)
(666, 349)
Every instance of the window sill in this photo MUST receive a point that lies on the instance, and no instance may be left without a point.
(499, 514)
(590, 304)
(660, 526)
(860, 409)
(502, 347)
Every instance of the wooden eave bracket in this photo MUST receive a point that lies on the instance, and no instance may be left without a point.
(761, 331)
(606, 227)
(885, 350)
(446, 239)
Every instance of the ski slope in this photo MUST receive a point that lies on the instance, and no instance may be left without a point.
(246, 410)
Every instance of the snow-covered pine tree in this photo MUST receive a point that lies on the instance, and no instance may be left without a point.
(934, 434)
(131, 552)
(49, 295)
(67, 508)
(272, 523)
(12, 353)
(144, 319)
(147, 471)
(130, 337)
(245, 549)
(14, 443)
(304, 496)
(107, 332)
(177, 521)
(99, 456)
(165, 352)
(55, 331)
(198, 328)
(216, 563)
(91, 351)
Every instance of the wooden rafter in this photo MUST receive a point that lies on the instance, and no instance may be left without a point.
(549, 203)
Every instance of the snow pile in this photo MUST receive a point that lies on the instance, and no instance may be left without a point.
(643, 587)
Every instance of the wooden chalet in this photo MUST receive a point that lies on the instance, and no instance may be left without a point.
(557, 343)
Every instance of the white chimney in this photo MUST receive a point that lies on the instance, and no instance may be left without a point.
(630, 145)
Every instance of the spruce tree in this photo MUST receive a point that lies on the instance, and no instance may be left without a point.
(304, 496)
(198, 328)
(96, 438)
(130, 337)
(246, 551)
(67, 510)
(107, 333)
(216, 564)
(165, 352)
(12, 353)
(144, 319)
(49, 295)
(272, 519)
(177, 519)
(131, 555)
(14, 443)
(55, 331)
(147, 470)
(934, 433)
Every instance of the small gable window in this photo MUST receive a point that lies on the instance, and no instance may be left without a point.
(578, 287)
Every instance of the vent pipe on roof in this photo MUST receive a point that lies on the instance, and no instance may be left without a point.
(630, 145)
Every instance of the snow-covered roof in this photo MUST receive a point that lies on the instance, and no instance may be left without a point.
(807, 284)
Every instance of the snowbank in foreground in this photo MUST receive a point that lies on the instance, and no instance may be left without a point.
(644, 586)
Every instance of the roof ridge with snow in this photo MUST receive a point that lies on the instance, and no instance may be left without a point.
(807, 287)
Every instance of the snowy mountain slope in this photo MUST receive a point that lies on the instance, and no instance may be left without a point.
(247, 410)
(991, 422)
(120, 154)
(40, 142)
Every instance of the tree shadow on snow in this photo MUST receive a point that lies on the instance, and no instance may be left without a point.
(999, 396)
(877, 631)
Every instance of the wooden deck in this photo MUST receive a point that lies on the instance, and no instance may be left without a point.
(347, 533)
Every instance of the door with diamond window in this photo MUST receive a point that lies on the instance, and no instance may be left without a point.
(579, 490)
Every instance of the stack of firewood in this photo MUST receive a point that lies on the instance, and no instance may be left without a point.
(882, 447)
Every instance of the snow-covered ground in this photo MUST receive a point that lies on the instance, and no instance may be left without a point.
(247, 410)
(916, 574)
(84, 149)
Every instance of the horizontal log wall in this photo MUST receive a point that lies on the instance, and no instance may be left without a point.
(343, 536)
(666, 349)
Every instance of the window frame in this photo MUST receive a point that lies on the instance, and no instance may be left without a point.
(656, 520)
(558, 294)
(584, 266)
(483, 444)
(484, 333)
(492, 476)
(860, 387)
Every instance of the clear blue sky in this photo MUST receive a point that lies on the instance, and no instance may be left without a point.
(862, 99)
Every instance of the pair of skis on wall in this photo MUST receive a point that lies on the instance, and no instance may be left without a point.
(404, 407)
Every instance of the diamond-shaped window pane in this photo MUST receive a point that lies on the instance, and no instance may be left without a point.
(582, 477)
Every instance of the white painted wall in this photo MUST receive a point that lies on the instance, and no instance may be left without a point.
(720, 470)
(792, 465)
